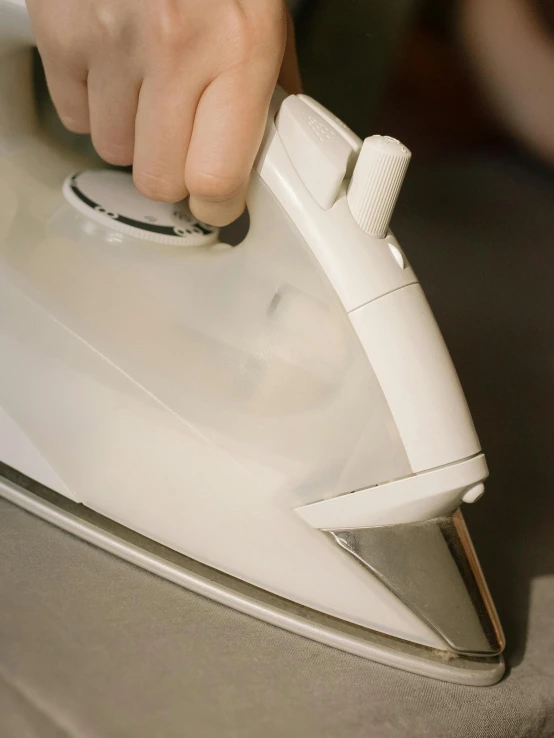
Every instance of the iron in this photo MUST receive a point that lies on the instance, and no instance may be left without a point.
(269, 418)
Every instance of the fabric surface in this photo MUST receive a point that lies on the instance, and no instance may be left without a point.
(91, 647)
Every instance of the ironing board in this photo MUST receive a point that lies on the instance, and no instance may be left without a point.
(91, 647)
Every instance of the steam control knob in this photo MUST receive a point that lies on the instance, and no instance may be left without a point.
(376, 183)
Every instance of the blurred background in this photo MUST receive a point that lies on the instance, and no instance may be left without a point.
(468, 86)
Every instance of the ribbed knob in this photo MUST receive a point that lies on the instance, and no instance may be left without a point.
(376, 182)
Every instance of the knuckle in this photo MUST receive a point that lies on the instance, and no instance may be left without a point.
(170, 30)
(108, 22)
(239, 28)
(251, 38)
(261, 28)
(154, 186)
(214, 186)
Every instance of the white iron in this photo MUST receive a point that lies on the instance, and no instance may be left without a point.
(275, 425)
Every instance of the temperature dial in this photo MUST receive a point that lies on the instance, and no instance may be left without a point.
(109, 197)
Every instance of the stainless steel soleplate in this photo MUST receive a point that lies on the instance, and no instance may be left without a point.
(227, 590)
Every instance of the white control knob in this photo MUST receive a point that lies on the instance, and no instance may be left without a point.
(109, 197)
(376, 183)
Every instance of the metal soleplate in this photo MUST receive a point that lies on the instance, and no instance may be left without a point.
(227, 590)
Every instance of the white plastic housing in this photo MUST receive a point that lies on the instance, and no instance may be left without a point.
(201, 395)
(419, 497)
(319, 153)
(410, 359)
(198, 396)
(353, 140)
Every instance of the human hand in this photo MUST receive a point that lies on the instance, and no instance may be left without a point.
(180, 89)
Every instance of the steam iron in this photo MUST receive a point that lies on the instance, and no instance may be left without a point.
(275, 424)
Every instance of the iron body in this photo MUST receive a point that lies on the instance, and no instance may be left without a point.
(274, 423)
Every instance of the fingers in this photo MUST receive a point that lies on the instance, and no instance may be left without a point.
(230, 121)
(182, 94)
(68, 90)
(65, 67)
(228, 129)
(113, 99)
(163, 130)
